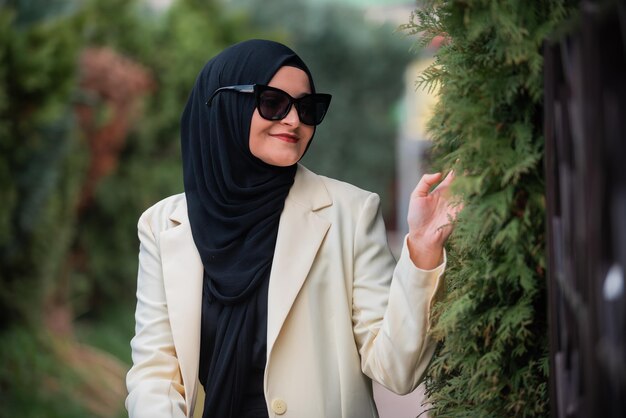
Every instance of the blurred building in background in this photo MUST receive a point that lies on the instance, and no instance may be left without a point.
(413, 142)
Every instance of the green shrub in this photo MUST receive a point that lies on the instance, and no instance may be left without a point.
(33, 383)
(494, 356)
(40, 159)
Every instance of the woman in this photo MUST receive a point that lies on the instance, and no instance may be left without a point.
(270, 285)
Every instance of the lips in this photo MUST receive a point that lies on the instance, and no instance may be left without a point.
(291, 138)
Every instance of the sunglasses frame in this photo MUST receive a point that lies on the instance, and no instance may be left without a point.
(258, 89)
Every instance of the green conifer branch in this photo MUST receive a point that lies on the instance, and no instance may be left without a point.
(493, 357)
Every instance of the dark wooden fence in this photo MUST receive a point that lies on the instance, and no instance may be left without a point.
(585, 132)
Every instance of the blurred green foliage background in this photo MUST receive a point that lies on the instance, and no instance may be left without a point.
(90, 98)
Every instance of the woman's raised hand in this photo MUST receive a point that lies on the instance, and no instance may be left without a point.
(430, 218)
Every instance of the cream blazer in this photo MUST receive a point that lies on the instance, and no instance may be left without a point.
(340, 311)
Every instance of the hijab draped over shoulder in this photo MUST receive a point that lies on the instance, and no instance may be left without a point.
(234, 205)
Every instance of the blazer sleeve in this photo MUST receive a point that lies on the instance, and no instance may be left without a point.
(391, 306)
(154, 382)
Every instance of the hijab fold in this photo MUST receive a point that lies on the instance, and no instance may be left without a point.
(234, 205)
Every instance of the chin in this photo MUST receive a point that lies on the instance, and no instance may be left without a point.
(282, 161)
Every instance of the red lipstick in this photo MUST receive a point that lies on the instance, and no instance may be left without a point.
(291, 138)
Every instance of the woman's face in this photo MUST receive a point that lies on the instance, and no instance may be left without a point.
(282, 142)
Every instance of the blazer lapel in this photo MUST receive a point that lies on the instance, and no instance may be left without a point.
(300, 234)
(182, 276)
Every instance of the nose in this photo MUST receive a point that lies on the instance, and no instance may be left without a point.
(292, 117)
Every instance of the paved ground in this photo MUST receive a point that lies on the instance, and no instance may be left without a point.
(391, 405)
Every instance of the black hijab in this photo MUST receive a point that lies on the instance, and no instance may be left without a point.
(234, 204)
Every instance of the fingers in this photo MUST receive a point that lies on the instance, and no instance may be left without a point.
(449, 179)
(426, 183)
(429, 180)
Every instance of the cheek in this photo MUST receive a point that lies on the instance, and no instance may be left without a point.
(257, 126)
(308, 133)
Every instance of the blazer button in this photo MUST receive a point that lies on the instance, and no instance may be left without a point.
(279, 406)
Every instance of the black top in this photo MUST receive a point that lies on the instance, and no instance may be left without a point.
(253, 403)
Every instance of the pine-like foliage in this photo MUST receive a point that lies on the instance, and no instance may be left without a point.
(494, 357)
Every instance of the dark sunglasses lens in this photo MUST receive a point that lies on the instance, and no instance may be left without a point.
(273, 105)
(312, 110)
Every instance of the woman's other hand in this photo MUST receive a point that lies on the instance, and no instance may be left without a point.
(430, 218)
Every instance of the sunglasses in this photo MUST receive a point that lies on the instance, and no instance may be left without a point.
(275, 104)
